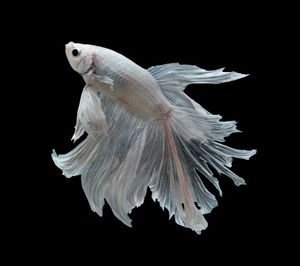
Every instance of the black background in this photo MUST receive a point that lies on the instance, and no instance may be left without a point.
(53, 216)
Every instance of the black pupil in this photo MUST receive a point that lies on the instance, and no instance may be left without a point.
(75, 52)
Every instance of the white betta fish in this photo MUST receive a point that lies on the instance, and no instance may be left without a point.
(144, 131)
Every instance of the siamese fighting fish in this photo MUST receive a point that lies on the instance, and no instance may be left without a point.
(143, 131)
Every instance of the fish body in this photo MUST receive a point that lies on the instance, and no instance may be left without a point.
(144, 131)
(130, 84)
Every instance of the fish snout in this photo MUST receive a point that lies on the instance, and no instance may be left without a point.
(69, 46)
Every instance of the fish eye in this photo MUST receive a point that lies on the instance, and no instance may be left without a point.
(75, 52)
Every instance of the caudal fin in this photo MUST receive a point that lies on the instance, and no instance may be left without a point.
(192, 146)
(190, 149)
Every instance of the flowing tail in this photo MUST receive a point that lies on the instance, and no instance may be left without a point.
(191, 147)
(171, 156)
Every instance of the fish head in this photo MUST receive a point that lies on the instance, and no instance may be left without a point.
(80, 57)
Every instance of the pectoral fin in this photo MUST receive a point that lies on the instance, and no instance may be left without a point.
(90, 116)
(104, 80)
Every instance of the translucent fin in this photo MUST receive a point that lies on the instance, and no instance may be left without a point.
(195, 134)
(104, 81)
(113, 166)
(76, 160)
(90, 117)
(180, 99)
(190, 145)
(177, 186)
(178, 76)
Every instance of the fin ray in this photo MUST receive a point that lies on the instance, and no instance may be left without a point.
(179, 76)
